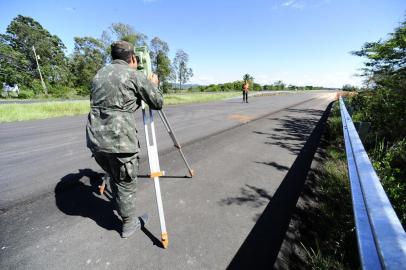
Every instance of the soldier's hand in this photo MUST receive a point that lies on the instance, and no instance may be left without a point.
(154, 79)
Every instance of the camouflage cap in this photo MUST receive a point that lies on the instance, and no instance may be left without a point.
(122, 45)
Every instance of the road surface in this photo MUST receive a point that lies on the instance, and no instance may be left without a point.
(245, 157)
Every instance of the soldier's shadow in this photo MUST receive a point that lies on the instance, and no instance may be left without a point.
(77, 195)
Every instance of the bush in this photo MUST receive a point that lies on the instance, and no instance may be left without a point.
(386, 142)
(83, 91)
(166, 86)
(59, 91)
(385, 109)
(26, 94)
(334, 130)
(257, 87)
(36, 87)
(349, 87)
(390, 165)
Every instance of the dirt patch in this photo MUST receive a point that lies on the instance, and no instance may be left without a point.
(241, 118)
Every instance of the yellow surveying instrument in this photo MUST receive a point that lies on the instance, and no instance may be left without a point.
(144, 65)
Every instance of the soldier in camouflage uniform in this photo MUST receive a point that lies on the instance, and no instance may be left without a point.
(111, 133)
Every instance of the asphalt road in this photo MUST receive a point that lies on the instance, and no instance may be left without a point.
(52, 218)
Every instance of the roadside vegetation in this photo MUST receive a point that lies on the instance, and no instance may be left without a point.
(385, 141)
(326, 229)
(323, 222)
(42, 110)
(20, 112)
(384, 107)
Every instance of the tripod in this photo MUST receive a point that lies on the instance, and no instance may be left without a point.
(155, 171)
(175, 141)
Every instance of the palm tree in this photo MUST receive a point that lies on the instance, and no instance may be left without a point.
(246, 78)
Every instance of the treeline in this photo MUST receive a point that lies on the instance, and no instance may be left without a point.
(237, 85)
(384, 107)
(231, 86)
(29, 51)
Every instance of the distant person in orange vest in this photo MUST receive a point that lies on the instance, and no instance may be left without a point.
(245, 92)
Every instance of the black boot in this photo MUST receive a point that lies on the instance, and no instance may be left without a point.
(131, 225)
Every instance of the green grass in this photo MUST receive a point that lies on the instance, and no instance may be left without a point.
(21, 112)
(332, 244)
(171, 99)
(43, 110)
(328, 237)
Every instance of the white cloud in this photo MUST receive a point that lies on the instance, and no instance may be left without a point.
(70, 9)
(301, 4)
(294, 4)
(288, 3)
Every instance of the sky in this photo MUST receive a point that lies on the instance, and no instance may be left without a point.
(301, 42)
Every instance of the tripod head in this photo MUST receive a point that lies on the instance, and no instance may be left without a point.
(144, 60)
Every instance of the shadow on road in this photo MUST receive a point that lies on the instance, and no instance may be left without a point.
(293, 130)
(262, 245)
(277, 166)
(77, 195)
(253, 196)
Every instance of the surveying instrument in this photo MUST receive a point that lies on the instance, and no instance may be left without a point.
(144, 65)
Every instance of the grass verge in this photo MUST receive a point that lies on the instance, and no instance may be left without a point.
(172, 99)
(323, 222)
(31, 111)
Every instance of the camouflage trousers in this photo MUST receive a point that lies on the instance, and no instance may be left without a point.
(122, 169)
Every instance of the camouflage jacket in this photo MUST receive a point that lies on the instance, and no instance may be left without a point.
(116, 90)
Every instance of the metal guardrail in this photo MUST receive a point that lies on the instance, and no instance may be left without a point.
(380, 235)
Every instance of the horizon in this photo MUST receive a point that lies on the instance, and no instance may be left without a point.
(300, 42)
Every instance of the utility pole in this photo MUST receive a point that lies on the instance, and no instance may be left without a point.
(39, 71)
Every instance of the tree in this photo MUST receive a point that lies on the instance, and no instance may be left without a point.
(279, 85)
(181, 72)
(156, 46)
(163, 70)
(248, 79)
(386, 60)
(14, 66)
(121, 31)
(88, 57)
(386, 68)
(385, 109)
(349, 87)
(161, 64)
(256, 87)
(23, 33)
